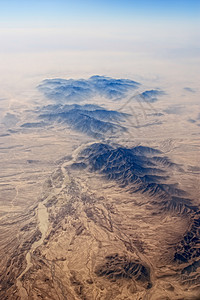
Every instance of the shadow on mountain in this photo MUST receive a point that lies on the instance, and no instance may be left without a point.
(139, 169)
(89, 119)
(188, 248)
(34, 125)
(119, 267)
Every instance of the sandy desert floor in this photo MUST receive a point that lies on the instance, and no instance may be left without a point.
(69, 233)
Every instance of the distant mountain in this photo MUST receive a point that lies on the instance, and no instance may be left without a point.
(71, 90)
(139, 169)
(113, 88)
(90, 119)
(59, 108)
(151, 95)
(34, 125)
(189, 89)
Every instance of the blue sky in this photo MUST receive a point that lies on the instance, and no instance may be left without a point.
(49, 13)
(159, 28)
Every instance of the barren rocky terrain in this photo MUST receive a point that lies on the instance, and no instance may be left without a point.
(100, 199)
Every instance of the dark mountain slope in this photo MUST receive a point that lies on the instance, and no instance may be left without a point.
(92, 120)
(138, 170)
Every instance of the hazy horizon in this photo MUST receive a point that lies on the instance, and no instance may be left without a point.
(129, 38)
